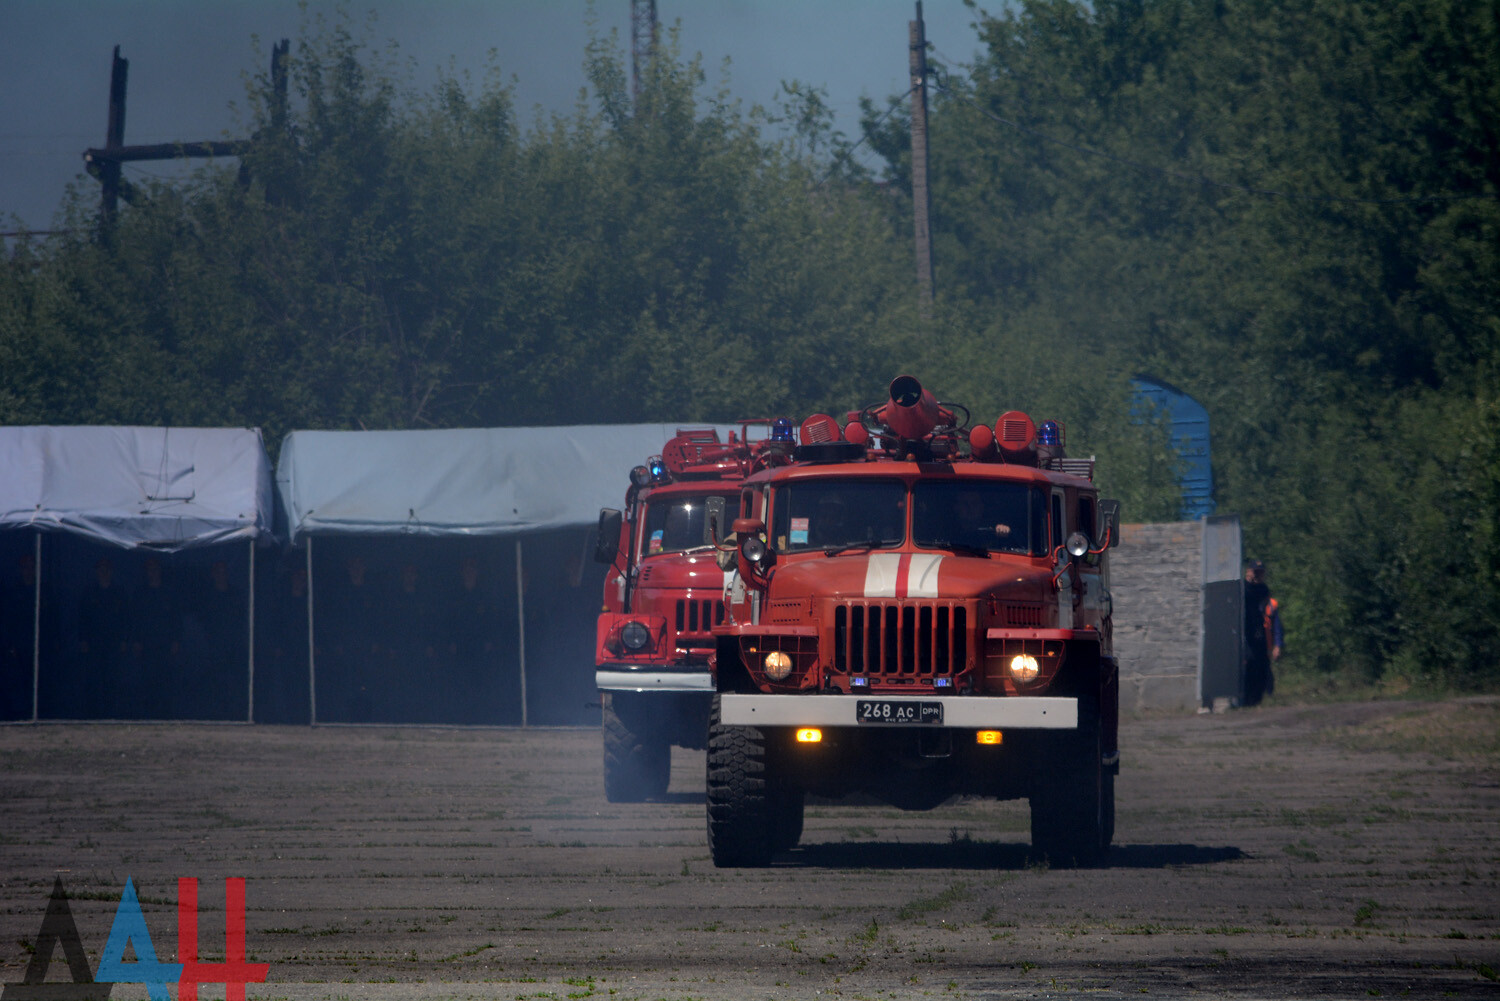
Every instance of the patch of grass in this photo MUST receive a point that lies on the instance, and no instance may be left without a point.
(1302, 850)
(1468, 729)
(940, 902)
(1322, 815)
(1365, 915)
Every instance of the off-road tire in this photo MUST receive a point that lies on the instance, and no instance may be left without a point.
(637, 760)
(740, 807)
(1073, 799)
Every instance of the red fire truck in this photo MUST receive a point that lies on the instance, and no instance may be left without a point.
(663, 595)
(915, 620)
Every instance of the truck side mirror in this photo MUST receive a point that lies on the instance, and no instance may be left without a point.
(607, 545)
(713, 524)
(1111, 511)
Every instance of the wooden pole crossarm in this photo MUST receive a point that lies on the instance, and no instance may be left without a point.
(164, 151)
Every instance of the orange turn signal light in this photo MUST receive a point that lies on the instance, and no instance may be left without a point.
(990, 737)
(809, 735)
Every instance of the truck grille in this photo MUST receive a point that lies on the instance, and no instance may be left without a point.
(1021, 615)
(895, 640)
(696, 618)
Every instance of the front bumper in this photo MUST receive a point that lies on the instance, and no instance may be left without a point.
(971, 712)
(652, 680)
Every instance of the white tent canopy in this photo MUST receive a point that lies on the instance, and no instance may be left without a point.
(484, 481)
(161, 488)
(463, 482)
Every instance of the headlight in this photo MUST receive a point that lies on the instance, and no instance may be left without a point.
(635, 636)
(1078, 544)
(778, 665)
(1023, 668)
(754, 549)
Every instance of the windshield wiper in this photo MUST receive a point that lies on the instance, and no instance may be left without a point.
(851, 547)
(957, 547)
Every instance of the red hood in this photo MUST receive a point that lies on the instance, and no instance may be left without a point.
(698, 572)
(889, 574)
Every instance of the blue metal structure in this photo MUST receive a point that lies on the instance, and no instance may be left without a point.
(1189, 437)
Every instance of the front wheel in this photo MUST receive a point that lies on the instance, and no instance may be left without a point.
(1073, 800)
(637, 758)
(741, 807)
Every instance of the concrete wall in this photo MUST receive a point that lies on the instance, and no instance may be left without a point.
(1156, 578)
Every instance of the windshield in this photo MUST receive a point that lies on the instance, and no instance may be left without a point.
(677, 524)
(979, 514)
(832, 514)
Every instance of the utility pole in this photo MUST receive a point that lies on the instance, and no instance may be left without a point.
(114, 137)
(921, 195)
(105, 164)
(642, 43)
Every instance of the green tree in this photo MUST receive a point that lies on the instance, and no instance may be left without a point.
(1231, 195)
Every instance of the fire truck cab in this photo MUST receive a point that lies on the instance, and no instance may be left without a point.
(913, 620)
(663, 595)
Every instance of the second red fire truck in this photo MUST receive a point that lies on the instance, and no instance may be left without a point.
(663, 595)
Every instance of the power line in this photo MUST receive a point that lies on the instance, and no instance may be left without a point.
(846, 155)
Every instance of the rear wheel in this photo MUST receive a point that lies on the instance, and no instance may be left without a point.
(637, 758)
(741, 811)
(1073, 800)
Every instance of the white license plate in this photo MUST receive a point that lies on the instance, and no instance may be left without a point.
(891, 711)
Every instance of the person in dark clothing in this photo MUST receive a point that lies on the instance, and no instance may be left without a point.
(1259, 651)
(217, 684)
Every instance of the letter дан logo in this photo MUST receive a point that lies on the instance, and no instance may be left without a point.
(129, 929)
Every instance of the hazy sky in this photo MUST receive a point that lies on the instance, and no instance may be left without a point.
(188, 59)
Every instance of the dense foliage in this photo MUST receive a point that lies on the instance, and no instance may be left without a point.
(1287, 210)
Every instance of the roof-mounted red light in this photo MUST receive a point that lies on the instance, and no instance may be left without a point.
(982, 443)
(855, 432)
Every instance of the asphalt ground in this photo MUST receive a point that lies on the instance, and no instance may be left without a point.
(1348, 851)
